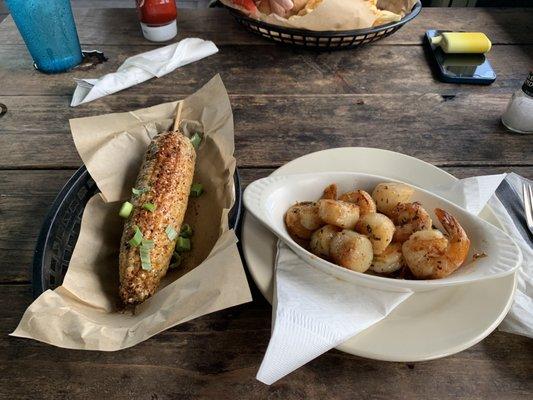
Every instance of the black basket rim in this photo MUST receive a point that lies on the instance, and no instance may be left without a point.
(72, 185)
(309, 33)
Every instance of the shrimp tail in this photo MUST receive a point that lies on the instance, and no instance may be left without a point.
(450, 224)
(459, 243)
(330, 192)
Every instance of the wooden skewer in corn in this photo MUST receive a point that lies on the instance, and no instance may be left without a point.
(177, 118)
(167, 172)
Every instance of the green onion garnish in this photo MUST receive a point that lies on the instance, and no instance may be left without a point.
(197, 189)
(196, 139)
(149, 244)
(183, 245)
(137, 237)
(137, 192)
(146, 264)
(149, 207)
(177, 261)
(186, 231)
(171, 233)
(126, 209)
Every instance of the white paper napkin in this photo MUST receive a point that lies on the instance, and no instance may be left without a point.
(314, 312)
(519, 320)
(472, 194)
(144, 66)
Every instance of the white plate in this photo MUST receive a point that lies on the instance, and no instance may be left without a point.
(269, 198)
(428, 325)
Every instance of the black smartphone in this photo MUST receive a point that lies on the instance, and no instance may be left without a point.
(459, 68)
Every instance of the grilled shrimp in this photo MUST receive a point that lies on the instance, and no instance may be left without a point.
(338, 213)
(431, 255)
(378, 228)
(363, 199)
(330, 192)
(389, 260)
(388, 195)
(351, 250)
(409, 218)
(302, 219)
(321, 238)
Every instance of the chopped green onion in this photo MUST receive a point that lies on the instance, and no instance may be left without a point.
(137, 192)
(126, 209)
(171, 233)
(197, 189)
(186, 231)
(196, 139)
(146, 263)
(149, 244)
(149, 207)
(183, 245)
(137, 237)
(177, 261)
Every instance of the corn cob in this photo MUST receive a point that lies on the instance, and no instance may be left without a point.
(164, 181)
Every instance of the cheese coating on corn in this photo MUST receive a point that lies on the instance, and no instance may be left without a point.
(166, 176)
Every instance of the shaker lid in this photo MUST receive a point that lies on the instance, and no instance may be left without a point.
(159, 33)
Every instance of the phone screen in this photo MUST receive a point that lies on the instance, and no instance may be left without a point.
(468, 68)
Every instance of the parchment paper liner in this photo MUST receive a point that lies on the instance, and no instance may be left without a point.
(84, 312)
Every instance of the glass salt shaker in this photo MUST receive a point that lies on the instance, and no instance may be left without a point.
(519, 114)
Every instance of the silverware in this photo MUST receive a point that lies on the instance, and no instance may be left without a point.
(528, 205)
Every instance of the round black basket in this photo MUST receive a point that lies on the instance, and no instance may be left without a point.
(322, 40)
(61, 228)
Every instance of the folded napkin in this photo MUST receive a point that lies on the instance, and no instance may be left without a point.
(314, 312)
(507, 205)
(144, 66)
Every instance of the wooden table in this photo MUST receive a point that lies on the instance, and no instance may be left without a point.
(286, 103)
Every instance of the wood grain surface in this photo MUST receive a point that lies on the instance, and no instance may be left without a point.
(376, 69)
(286, 103)
(216, 357)
(503, 26)
(272, 130)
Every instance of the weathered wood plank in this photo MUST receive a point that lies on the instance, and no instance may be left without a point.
(99, 26)
(276, 70)
(25, 197)
(95, 4)
(218, 356)
(271, 130)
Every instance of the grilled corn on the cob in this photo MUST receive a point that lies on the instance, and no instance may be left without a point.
(164, 181)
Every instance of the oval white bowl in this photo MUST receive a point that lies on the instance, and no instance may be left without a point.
(269, 198)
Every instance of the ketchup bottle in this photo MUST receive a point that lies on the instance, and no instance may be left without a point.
(158, 19)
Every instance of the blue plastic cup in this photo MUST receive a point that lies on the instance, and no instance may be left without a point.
(49, 31)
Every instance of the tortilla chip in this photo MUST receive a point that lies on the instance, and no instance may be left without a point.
(386, 17)
(309, 7)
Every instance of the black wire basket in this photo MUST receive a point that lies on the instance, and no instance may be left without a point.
(322, 40)
(61, 227)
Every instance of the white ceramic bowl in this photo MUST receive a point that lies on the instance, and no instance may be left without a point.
(268, 199)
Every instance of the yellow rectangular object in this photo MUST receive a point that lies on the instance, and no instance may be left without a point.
(463, 42)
